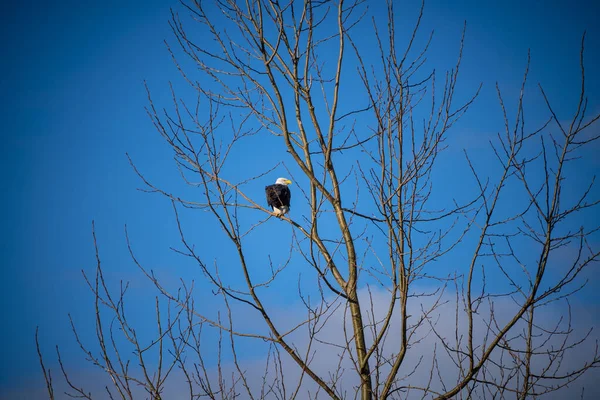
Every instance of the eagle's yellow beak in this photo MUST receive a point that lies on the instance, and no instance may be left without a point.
(288, 181)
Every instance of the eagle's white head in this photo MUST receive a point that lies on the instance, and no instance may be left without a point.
(283, 181)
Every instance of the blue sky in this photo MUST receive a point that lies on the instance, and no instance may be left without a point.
(73, 106)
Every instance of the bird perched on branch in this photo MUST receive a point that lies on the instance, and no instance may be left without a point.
(279, 196)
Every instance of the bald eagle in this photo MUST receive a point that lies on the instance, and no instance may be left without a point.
(279, 196)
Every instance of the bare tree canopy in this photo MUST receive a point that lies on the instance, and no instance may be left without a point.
(418, 270)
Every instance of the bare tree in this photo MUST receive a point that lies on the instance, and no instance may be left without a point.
(364, 135)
